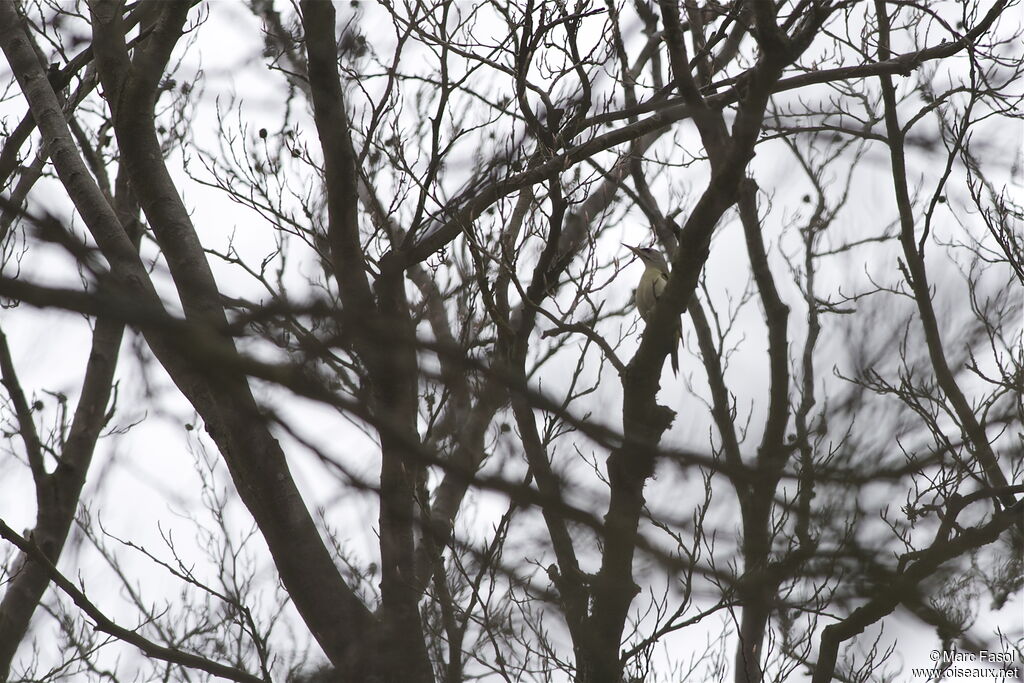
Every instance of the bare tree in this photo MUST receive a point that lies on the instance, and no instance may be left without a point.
(431, 261)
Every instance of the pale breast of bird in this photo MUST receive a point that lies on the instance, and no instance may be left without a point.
(647, 293)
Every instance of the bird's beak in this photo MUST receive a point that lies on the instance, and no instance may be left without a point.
(632, 249)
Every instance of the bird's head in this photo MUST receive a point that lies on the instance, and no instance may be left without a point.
(650, 257)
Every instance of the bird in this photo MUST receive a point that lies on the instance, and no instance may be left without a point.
(652, 284)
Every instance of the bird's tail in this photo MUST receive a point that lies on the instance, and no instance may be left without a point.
(674, 356)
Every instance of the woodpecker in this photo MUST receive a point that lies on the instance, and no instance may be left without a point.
(652, 284)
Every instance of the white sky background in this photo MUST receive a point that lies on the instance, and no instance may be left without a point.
(146, 481)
